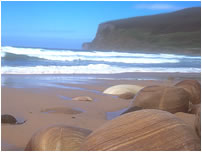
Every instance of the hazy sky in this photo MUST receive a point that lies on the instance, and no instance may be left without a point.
(67, 24)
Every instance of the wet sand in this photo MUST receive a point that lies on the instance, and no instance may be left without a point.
(45, 105)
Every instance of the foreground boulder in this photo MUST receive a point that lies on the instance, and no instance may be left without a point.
(9, 119)
(171, 99)
(58, 138)
(124, 91)
(194, 89)
(143, 130)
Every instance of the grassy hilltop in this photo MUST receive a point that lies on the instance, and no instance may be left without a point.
(176, 32)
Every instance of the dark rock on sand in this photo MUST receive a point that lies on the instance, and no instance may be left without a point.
(9, 119)
(58, 138)
(194, 89)
(143, 130)
(132, 109)
(6, 118)
(82, 98)
(171, 99)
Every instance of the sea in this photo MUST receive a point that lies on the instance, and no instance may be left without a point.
(28, 67)
(18, 60)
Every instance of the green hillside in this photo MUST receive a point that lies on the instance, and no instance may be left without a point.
(178, 32)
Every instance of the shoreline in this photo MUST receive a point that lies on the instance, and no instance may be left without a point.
(127, 74)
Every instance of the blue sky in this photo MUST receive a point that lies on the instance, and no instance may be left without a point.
(67, 24)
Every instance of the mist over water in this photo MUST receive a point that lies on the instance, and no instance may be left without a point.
(17, 60)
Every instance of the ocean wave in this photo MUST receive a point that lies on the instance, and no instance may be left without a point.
(41, 52)
(68, 55)
(89, 69)
(10, 56)
(18, 57)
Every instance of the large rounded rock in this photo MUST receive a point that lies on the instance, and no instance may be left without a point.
(8, 119)
(143, 130)
(125, 91)
(171, 99)
(58, 138)
(194, 89)
(198, 122)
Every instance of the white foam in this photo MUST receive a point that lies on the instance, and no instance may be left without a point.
(89, 69)
(68, 55)
(38, 51)
(3, 54)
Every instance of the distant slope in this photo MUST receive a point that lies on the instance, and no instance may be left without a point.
(178, 32)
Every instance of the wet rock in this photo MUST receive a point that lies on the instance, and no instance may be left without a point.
(9, 119)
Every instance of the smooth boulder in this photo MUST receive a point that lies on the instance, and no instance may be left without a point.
(123, 90)
(143, 130)
(171, 99)
(9, 119)
(194, 89)
(58, 138)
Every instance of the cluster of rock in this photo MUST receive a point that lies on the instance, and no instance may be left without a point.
(160, 118)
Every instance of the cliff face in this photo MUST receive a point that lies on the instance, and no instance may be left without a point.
(177, 31)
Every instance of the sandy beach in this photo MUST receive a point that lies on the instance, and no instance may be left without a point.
(43, 105)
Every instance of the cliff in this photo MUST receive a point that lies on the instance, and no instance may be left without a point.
(178, 32)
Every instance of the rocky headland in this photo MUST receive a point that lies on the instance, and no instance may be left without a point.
(175, 32)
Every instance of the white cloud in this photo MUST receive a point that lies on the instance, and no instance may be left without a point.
(156, 6)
